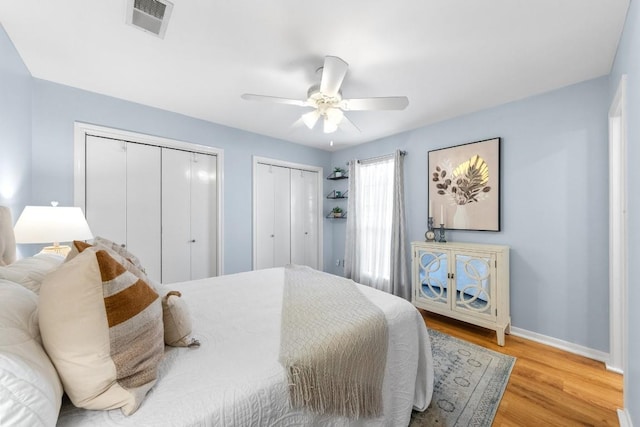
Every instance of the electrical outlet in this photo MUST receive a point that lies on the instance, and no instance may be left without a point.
(337, 263)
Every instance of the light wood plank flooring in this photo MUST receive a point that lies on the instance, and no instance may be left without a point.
(547, 387)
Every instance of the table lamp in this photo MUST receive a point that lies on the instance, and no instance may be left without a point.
(52, 224)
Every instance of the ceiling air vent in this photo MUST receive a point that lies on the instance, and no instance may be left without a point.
(151, 16)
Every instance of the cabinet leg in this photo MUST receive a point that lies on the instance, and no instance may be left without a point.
(500, 335)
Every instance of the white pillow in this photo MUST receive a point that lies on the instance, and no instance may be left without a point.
(30, 389)
(29, 272)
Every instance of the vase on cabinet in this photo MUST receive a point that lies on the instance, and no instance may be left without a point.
(461, 218)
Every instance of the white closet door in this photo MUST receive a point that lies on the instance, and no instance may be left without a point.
(304, 218)
(143, 206)
(203, 216)
(282, 216)
(265, 207)
(106, 183)
(176, 215)
(273, 214)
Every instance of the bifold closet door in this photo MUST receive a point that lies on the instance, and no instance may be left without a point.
(188, 215)
(123, 197)
(304, 218)
(204, 215)
(106, 188)
(273, 216)
(143, 207)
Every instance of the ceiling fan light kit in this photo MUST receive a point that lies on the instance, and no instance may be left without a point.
(326, 99)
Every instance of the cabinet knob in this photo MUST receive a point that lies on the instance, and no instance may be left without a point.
(306, 232)
(273, 235)
(193, 241)
(123, 245)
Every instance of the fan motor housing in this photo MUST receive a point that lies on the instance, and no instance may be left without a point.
(318, 98)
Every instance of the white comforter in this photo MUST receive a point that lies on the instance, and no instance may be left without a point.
(234, 377)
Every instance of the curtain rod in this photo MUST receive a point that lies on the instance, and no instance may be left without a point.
(373, 159)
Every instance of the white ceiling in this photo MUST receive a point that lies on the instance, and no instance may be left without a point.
(450, 57)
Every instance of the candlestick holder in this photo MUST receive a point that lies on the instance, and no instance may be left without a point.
(441, 239)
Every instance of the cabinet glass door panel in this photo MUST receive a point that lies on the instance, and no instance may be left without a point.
(473, 283)
(433, 272)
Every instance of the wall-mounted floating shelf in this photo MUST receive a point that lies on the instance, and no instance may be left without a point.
(337, 194)
(334, 177)
(332, 215)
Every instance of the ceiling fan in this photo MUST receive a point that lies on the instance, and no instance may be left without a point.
(326, 99)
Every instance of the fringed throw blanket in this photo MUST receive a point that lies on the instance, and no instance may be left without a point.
(333, 345)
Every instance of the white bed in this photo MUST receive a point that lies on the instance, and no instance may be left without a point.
(234, 377)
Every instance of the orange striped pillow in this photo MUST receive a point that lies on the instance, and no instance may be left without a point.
(80, 246)
(102, 328)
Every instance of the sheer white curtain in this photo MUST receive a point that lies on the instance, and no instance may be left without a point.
(374, 249)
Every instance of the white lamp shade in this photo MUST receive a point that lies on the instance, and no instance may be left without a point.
(329, 126)
(48, 224)
(332, 119)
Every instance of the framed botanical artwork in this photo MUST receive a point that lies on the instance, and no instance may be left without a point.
(464, 186)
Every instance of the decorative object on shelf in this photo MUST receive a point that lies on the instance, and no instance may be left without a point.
(52, 224)
(467, 178)
(338, 172)
(430, 234)
(337, 212)
(465, 281)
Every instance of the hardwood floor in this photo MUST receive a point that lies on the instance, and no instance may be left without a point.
(547, 387)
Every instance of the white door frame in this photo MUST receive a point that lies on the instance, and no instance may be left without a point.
(618, 279)
(81, 130)
(290, 165)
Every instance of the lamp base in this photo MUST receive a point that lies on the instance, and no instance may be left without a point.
(57, 249)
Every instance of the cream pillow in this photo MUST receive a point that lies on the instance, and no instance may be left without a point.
(79, 246)
(120, 250)
(177, 321)
(29, 272)
(102, 328)
(30, 389)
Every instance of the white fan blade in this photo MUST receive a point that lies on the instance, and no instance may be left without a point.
(333, 73)
(275, 99)
(383, 103)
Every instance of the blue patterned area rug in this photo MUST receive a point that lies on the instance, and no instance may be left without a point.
(468, 385)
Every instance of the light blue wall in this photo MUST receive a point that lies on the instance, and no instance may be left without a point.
(57, 107)
(554, 203)
(628, 62)
(15, 128)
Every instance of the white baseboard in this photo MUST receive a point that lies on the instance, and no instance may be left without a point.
(614, 369)
(562, 345)
(625, 418)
